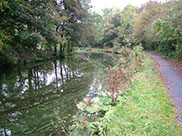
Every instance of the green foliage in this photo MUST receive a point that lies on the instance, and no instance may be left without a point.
(143, 23)
(119, 28)
(169, 28)
(110, 32)
(129, 14)
(146, 109)
(99, 23)
(158, 27)
(178, 52)
(30, 27)
(95, 115)
(25, 24)
(94, 107)
(137, 111)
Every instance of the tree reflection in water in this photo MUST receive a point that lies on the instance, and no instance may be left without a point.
(35, 100)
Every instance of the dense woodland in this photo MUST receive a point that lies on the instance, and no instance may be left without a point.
(32, 30)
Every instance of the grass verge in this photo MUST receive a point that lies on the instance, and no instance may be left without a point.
(146, 109)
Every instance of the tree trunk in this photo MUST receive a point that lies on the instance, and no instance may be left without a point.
(61, 48)
(64, 45)
(68, 49)
(55, 46)
(55, 49)
(61, 53)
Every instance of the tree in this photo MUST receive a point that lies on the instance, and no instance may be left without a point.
(128, 17)
(119, 29)
(143, 24)
(28, 23)
(169, 28)
(110, 32)
(27, 28)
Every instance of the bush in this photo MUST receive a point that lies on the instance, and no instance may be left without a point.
(178, 52)
(92, 118)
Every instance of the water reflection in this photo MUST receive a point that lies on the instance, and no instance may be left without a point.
(35, 101)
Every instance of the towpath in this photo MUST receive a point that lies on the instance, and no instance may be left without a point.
(173, 81)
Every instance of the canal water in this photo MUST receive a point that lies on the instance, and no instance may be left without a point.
(40, 99)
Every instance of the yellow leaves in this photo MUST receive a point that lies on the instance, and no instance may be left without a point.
(36, 103)
(65, 18)
(170, 38)
(175, 35)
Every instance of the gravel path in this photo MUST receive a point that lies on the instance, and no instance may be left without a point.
(173, 82)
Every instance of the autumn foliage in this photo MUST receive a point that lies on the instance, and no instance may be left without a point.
(119, 77)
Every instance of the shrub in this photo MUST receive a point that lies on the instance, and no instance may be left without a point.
(92, 118)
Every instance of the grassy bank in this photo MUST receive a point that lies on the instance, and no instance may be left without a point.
(143, 109)
(146, 109)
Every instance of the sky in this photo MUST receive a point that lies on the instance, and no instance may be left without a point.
(98, 5)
